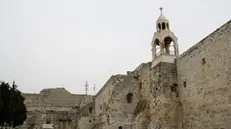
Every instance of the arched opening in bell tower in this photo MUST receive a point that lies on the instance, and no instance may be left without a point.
(169, 46)
(159, 27)
(163, 26)
(157, 47)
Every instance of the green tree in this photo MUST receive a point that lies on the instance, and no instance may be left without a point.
(13, 109)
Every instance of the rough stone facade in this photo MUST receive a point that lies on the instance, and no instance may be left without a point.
(187, 91)
(204, 79)
(54, 108)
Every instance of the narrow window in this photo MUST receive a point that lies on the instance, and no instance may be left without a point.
(120, 127)
(159, 27)
(90, 121)
(140, 85)
(90, 109)
(203, 61)
(163, 25)
(185, 83)
(129, 97)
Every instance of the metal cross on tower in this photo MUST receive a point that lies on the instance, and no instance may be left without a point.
(161, 9)
(86, 87)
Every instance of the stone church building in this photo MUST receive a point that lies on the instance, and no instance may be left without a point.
(172, 91)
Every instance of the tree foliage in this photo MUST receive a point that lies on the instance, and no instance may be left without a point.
(12, 107)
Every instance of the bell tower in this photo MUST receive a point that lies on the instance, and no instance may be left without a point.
(164, 42)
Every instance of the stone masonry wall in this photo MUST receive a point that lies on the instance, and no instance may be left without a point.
(165, 105)
(158, 105)
(117, 111)
(103, 95)
(54, 106)
(204, 73)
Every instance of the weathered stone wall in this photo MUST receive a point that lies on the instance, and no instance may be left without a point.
(103, 95)
(204, 73)
(145, 81)
(158, 106)
(164, 106)
(53, 97)
(58, 119)
(86, 116)
(85, 122)
(117, 110)
(54, 106)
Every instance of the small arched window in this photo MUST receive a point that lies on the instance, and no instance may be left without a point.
(167, 25)
(129, 97)
(163, 26)
(120, 127)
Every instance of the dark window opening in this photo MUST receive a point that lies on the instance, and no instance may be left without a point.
(156, 88)
(163, 25)
(120, 127)
(159, 27)
(129, 97)
(174, 88)
(90, 109)
(157, 42)
(89, 120)
(185, 83)
(48, 121)
(203, 61)
(141, 85)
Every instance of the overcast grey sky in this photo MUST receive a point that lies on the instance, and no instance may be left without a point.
(63, 43)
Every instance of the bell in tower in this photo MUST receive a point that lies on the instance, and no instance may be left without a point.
(164, 42)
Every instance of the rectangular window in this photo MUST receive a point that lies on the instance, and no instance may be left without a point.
(141, 85)
(203, 61)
